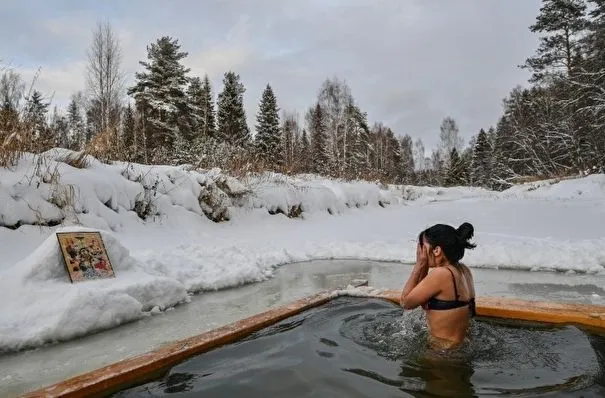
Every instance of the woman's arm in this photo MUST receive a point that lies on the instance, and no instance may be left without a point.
(419, 272)
(416, 294)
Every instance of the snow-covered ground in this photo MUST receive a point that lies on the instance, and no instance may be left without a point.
(178, 250)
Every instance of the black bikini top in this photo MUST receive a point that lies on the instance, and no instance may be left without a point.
(436, 304)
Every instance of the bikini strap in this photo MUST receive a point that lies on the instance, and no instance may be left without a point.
(453, 280)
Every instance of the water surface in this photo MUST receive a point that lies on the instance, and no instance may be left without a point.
(355, 347)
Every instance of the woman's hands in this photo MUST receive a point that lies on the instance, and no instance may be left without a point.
(419, 272)
(421, 256)
(420, 286)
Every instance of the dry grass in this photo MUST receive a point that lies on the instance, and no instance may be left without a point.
(80, 160)
(11, 141)
(103, 146)
(9, 156)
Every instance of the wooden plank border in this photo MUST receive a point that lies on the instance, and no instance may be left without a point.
(139, 369)
(587, 315)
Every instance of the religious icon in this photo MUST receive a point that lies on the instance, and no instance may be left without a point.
(85, 256)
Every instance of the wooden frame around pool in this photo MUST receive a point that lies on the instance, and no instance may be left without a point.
(142, 368)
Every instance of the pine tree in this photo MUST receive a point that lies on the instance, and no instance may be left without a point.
(208, 126)
(305, 152)
(319, 152)
(268, 137)
(202, 106)
(491, 137)
(396, 167)
(128, 130)
(589, 94)
(480, 164)
(59, 128)
(500, 172)
(455, 175)
(232, 125)
(195, 94)
(36, 110)
(182, 153)
(466, 160)
(561, 22)
(407, 156)
(76, 123)
(594, 41)
(437, 168)
(358, 137)
(160, 94)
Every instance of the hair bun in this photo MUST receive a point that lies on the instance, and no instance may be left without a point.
(465, 231)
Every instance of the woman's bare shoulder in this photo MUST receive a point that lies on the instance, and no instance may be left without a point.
(466, 270)
(469, 277)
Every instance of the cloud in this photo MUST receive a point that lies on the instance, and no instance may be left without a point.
(231, 53)
(409, 63)
(56, 83)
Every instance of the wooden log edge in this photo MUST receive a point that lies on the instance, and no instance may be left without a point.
(145, 367)
(592, 316)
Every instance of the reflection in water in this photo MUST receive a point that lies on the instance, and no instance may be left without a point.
(438, 375)
(365, 347)
(321, 281)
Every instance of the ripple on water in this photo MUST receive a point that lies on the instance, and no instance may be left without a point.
(498, 357)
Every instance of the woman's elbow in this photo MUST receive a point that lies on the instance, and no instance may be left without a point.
(407, 304)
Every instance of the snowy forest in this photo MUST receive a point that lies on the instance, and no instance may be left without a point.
(555, 126)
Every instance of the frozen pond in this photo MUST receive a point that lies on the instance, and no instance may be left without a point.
(32, 369)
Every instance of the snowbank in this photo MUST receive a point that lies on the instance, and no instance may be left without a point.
(48, 190)
(440, 194)
(591, 187)
(163, 231)
(281, 194)
(40, 305)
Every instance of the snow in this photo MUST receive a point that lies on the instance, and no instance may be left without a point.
(590, 187)
(44, 307)
(158, 225)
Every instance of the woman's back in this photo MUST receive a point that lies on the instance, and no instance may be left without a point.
(448, 313)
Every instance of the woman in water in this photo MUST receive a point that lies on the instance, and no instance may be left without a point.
(446, 293)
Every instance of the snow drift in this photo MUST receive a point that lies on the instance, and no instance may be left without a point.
(47, 190)
(41, 305)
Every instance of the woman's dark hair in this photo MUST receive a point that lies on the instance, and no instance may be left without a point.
(451, 240)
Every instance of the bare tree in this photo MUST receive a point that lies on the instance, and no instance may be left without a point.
(12, 90)
(449, 139)
(290, 133)
(419, 157)
(104, 78)
(335, 97)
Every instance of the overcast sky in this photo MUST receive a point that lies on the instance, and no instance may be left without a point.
(409, 63)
